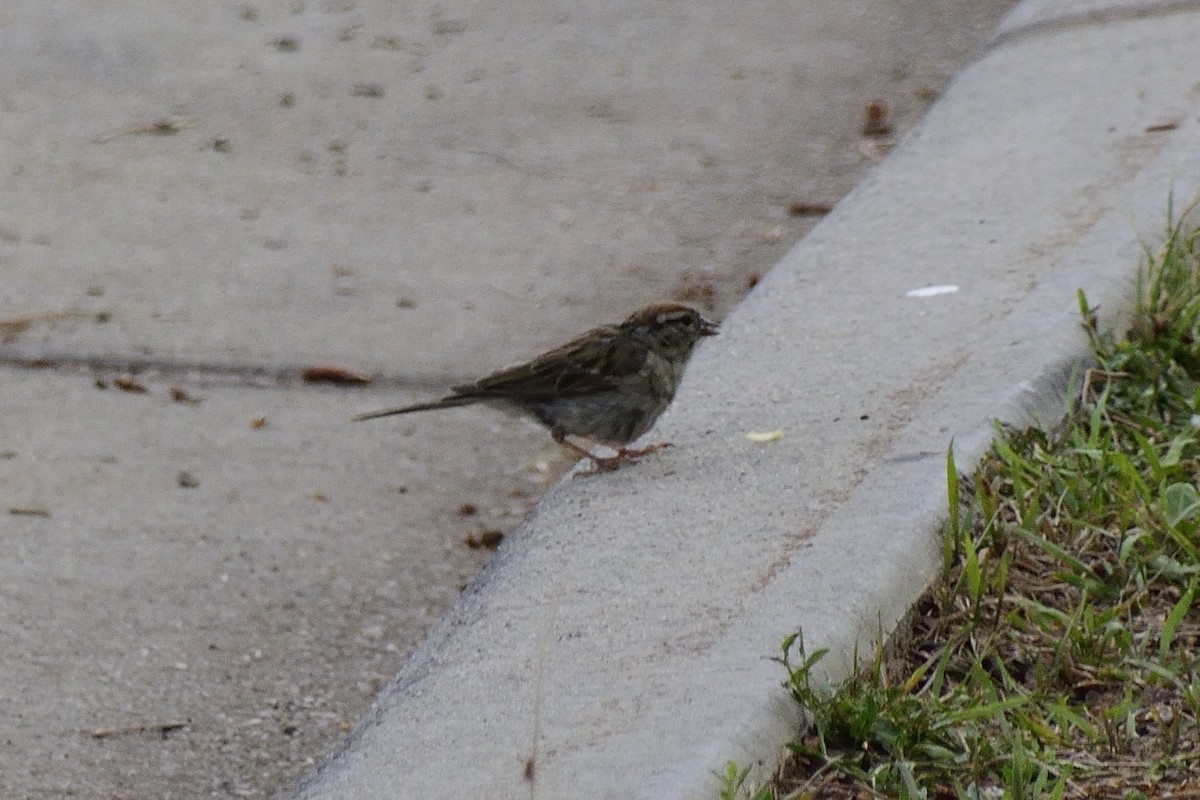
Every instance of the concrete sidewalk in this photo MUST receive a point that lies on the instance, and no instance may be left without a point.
(619, 644)
(203, 584)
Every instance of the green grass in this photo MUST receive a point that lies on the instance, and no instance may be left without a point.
(1058, 656)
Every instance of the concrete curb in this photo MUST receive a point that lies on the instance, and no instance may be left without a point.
(619, 644)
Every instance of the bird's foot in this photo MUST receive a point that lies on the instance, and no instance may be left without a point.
(625, 454)
(603, 464)
(609, 463)
(632, 454)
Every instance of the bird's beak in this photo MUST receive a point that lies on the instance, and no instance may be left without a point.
(708, 328)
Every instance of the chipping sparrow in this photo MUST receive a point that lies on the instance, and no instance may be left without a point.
(609, 385)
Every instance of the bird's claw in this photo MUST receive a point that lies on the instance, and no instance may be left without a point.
(611, 463)
(603, 464)
(634, 454)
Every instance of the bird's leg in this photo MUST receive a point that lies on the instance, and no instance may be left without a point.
(603, 463)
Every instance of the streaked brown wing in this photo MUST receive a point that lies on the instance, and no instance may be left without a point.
(593, 363)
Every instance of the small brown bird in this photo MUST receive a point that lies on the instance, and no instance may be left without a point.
(610, 384)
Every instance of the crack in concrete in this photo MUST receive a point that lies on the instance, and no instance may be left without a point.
(233, 375)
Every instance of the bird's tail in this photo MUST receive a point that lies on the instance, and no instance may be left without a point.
(445, 402)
